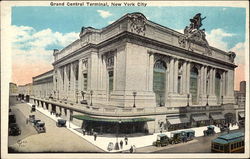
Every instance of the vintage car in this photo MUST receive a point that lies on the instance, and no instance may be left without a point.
(31, 118)
(175, 137)
(12, 118)
(162, 140)
(61, 123)
(188, 135)
(209, 131)
(36, 121)
(40, 127)
(14, 129)
(110, 146)
(224, 128)
(33, 108)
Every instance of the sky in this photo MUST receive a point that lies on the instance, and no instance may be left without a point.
(36, 31)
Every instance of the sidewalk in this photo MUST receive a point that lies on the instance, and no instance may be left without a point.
(142, 141)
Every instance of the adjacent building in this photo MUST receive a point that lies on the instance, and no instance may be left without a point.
(139, 76)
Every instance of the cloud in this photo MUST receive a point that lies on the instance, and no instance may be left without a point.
(30, 53)
(240, 60)
(110, 22)
(215, 38)
(104, 13)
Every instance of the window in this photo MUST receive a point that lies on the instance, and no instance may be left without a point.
(159, 82)
(85, 81)
(217, 87)
(194, 85)
(111, 79)
(221, 147)
(179, 84)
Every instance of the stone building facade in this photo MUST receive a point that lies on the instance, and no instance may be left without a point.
(137, 70)
(43, 85)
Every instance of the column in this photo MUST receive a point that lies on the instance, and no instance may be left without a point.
(175, 79)
(80, 87)
(205, 81)
(151, 71)
(202, 80)
(171, 75)
(225, 83)
(213, 82)
(188, 77)
(184, 77)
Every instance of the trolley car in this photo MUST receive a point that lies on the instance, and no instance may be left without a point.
(228, 143)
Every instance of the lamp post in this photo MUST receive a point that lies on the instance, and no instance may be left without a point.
(207, 100)
(83, 93)
(188, 96)
(91, 93)
(134, 94)
(77, 96)
(117, 132)
(221, 100)
(57, 94)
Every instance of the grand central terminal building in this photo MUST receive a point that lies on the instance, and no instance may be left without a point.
(139, 76)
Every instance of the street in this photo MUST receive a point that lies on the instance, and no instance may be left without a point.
(54, 140)
(197, 145)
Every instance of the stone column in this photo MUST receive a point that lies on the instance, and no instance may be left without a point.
(205, 81)
(202, 81)
(225, 83)
(188, 77)
(184, 78)
(171, 75)
(175, 79)
(80, 78)
(213, 82)
(151, 71)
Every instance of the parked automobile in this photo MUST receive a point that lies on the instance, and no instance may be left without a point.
(40, 127)
(162, 140)
(61, 123)
(33, 108)
(209, 131)
(224, 128)
(12, 118)
(188, 135)
(36, 121)
(31, 118)
(14, 129)
(175, 137)
(110, 146)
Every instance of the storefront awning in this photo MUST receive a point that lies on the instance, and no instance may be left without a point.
(128, 120)
(217, 116)
(200, 117)
(177, 120)
(242, 114)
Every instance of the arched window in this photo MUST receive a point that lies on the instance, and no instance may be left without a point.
(217, 86)
(159, 81)
(194, 85)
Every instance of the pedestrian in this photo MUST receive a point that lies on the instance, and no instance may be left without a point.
(27, 120)
(126, 140)
(95, 136)
(134, 148)
(121, 144)
(83, 131)
(92, 131)
(131, 149)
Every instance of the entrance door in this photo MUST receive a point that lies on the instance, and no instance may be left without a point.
(194, 85)
(159, 82)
